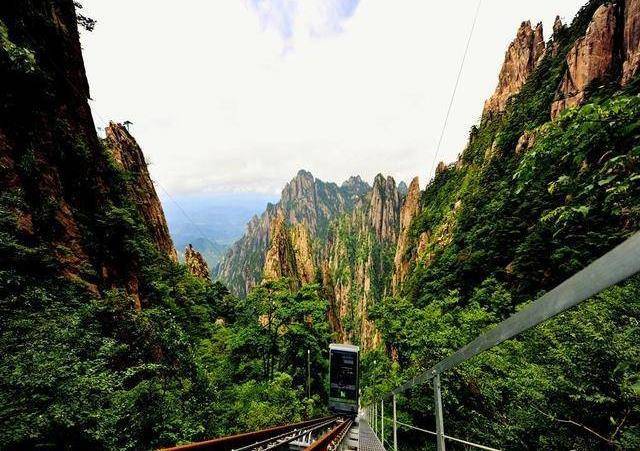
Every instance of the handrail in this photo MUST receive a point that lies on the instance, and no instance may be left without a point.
(613, 267)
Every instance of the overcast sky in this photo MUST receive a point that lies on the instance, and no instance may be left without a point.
(237, 95)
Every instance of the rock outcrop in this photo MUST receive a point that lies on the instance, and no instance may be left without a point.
(410, 210)
(290, 254)
(196, 264)
(342, 237)
(631, 51)
(53, 165)
(305, 200)
(522, 57)
(129, 156)
(525, 142)
(590, 60)
(384, 210)
(558, 28)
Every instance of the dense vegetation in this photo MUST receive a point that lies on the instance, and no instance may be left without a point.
(86, 372)
(82, 369)
(504, 228)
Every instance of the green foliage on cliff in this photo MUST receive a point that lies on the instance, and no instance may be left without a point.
(85, 370)
(503, 228)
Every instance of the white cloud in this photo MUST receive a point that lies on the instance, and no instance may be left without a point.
(361, 88)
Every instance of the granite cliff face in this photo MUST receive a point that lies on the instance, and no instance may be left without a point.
(48, 176)
(59, 186)
(590, 60)
(384, 208)
(196, 264)
(522, 57)
(409, 211)
(290, 254)
(341, 237)
(608, 53)
(357, 262)
(304, 200)
(127, 153)
(631, 51)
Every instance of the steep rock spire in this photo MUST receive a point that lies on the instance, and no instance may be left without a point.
(409, 211)
(384, 209)
(196, 264)
(289, 254)
(520, 60)
(591, 59)
(127, 153)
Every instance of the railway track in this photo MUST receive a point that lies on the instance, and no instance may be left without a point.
(320, 434)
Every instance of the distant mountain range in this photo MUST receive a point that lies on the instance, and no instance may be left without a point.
(211, 223)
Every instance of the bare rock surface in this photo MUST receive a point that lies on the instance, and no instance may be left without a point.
(196, 264)
(631, 50)
(521, 59)
(590, 60)
(410, 210)
(127, 153)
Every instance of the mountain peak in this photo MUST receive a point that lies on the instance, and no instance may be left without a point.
(520, 60)
(354, 186)
(303, 173)
(384, 209)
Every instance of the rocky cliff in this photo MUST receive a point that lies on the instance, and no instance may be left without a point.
(607, 54)
(127, 153)
(590, 60)
(80, 205)
(196, 264)
(522, 57)
(84, 253)
(290, 254)
(410, 210)
(631, 49)
(344, 238)
(531, 201)
(304, 200)
(384, 208)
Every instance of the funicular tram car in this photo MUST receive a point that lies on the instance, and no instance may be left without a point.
(344, 377)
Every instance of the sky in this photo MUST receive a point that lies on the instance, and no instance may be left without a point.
(233, 96)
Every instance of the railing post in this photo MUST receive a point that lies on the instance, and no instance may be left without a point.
(395, 427)
(382, 421)
(375, 418)
(439, 420)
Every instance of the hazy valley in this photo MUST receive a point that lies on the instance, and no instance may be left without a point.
(110, 341)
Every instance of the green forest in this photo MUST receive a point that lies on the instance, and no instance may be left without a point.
(526, 223)
(83, 368)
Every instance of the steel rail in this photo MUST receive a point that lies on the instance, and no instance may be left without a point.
(286, 437)
(615, 266)
(231, 442)
(326, 442)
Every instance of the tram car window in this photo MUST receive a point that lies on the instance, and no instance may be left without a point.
(344, 374)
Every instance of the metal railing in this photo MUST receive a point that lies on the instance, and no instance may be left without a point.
(615, 266)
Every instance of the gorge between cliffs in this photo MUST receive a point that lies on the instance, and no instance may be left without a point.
(111, 338)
